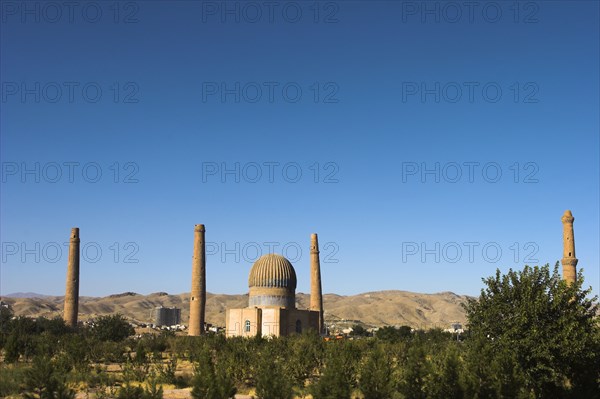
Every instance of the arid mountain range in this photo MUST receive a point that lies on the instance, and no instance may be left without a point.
(381, 308)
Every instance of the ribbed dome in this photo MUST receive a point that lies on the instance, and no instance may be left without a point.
(272, 270)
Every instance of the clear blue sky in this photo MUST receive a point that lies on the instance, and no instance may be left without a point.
(387, 89)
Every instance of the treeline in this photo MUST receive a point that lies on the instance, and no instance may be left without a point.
(531, 336)
(46, 355)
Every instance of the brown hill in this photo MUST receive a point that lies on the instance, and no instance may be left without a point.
(379, 308)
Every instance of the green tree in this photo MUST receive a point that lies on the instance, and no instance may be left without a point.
(210, 381)
(6, 315)
(55, 326)
(375, 380)
(75, 351)
(12, 378)
(338, 377)
(549, 328)
(237, 356)
(445, 382)
(111, 328)
(305, 356)
(272, 382)
(392, 334)
(416, 370)
(20, 340)
(43, 381)
(492, 375)
(166, 371)
(359, 331)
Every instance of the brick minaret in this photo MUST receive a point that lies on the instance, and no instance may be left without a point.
(198, 295)
(72, 290)
(316, 295)
(569, 261)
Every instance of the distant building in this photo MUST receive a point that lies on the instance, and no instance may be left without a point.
(166, 316)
